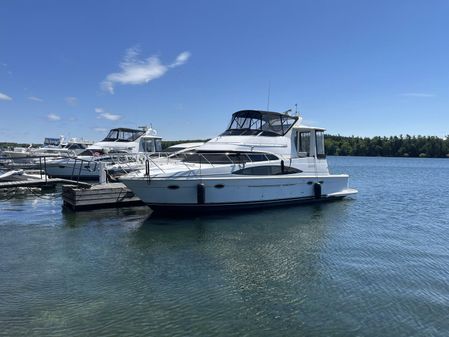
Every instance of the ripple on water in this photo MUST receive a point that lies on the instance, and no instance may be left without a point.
(373, 265)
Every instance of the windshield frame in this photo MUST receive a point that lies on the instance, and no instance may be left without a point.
(259, 123)
(123, 135)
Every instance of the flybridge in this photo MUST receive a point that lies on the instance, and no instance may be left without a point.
(259, 123)
(123, 135)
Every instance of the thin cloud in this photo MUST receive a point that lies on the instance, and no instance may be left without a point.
(417, 94)
(100, 129)
(72, 101)
(34, 98)
(4, 97)
(140, 71)
(102, 114)
(109, 116)
(53, 117)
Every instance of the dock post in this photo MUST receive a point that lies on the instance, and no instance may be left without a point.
(45, 168)
(102, 173)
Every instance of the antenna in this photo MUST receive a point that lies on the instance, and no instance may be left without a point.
(268, 101)
(296, 109)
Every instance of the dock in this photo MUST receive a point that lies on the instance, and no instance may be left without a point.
(105, 195)
(43, 183)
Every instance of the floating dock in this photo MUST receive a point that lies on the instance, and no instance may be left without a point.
(98, 196)
(43, 183)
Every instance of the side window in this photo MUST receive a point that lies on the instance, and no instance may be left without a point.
(158, 145)
(267, 170)
(303, 145)
(320, 153)
(148, 146)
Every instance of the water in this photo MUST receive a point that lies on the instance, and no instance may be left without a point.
(373, 265)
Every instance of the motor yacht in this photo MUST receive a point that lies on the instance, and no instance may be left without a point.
(117, 147)
(52, 148)
(263, 158)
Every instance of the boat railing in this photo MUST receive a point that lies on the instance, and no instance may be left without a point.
(195, 161)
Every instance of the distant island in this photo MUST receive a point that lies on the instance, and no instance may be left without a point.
(336, 145)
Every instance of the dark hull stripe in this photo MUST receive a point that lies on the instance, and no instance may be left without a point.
(214, 207)
(75, 177)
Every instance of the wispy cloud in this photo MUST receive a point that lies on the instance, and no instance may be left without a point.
(4, 97)
(109, 116)
(53, 117)
(72, 101)
(140, 71)
(102, 114)
(34, 98)
(100, 129)
(417, 94)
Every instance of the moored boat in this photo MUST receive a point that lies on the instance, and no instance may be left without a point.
(264, 158)
(119, 146)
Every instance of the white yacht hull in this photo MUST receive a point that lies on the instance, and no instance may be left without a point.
(209, 193)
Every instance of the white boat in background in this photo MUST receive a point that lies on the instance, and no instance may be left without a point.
(114, 171)
(52, 148)
(20, 175)
(182, 146)
(118, 147)
(263, 159)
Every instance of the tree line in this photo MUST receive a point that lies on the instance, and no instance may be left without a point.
(336, 145)
(393, 146)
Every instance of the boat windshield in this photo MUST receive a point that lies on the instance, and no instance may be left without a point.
(259, 123)
(100, 152)
(123, 135)
(202, 157)
(52, 141)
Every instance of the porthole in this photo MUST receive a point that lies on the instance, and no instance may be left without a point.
(172, 187)
(219, 186)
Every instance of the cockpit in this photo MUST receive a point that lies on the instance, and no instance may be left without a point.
(123, 135)
(259, 123)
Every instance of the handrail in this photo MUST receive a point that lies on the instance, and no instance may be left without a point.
(128, 162)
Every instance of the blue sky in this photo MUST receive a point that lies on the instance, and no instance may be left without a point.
(77, 68)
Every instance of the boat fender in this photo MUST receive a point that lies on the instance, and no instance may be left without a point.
(147, 167)
(317, 190)
(200, 193)
(282, 166)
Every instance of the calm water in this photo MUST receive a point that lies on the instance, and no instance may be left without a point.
(374, 265)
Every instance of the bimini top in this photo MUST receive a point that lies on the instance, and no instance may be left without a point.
(259, 123)
(123, 135)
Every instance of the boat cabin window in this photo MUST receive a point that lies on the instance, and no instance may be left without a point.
(319, 137)
(52, 141)
(92, 153)
(123, 135)
(152, 145)
(259, 123)
(225, 157)
(76, 146)
(302, 142)
(267, 170)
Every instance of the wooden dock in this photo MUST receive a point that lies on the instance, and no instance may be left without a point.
(40, 183)
(99, 196)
